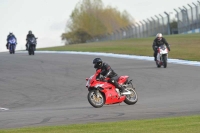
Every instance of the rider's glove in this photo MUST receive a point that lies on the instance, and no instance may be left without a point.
(101, 78)
(169, 48)
(155, 48)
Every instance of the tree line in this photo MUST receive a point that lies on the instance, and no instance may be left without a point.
(91, 19)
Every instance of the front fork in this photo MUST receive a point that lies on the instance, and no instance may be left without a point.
(97, 92)
(163, 56)
(160, 57)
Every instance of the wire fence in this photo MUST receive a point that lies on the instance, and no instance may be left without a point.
(185, 19)
(188, 18)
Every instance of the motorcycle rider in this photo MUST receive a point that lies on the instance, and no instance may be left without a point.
(107, 71)
(10, 35)
(29, 35)
(158, 41)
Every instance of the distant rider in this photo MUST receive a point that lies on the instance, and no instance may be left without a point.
(10, 35)
(158, 41)
(29, 35)
(107, 71)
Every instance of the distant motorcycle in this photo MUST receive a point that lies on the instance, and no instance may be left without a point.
(32, 41)
(102, 92)
(12, 44)
(162, 56)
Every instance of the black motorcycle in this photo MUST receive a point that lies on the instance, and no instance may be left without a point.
(32, 41)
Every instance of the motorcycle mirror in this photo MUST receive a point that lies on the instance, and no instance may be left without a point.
(86, 79)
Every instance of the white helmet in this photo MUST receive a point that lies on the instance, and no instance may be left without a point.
(159, 36)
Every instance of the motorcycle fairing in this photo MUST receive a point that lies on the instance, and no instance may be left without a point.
(106, 88)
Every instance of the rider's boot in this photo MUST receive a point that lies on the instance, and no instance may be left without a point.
(121, 88)
(155, 57)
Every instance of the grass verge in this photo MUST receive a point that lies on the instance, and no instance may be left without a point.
(183, 46)
(189, 124)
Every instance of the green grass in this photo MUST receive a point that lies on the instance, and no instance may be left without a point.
(189, 124)
(186, 47)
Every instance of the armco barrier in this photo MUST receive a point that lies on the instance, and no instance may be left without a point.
(192, 31)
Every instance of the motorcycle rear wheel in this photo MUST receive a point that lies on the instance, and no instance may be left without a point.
(96, 100)
(132, 98)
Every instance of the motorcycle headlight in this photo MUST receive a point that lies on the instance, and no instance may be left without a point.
(88, 83)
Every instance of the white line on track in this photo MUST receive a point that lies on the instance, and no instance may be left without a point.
(174, 61)
(3, 109)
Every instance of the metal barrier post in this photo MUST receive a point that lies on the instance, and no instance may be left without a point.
(168, 23)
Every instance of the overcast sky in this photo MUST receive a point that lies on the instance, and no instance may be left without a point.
(47, 18)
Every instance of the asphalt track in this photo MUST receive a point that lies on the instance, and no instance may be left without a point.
(49, 89)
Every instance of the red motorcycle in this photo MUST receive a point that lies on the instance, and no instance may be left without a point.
(101, 92)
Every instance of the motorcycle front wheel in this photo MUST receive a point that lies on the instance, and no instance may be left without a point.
(158, 64)
(33, 51)
(165, 61)
(97, 100)
(11, 49)
(30, 50)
